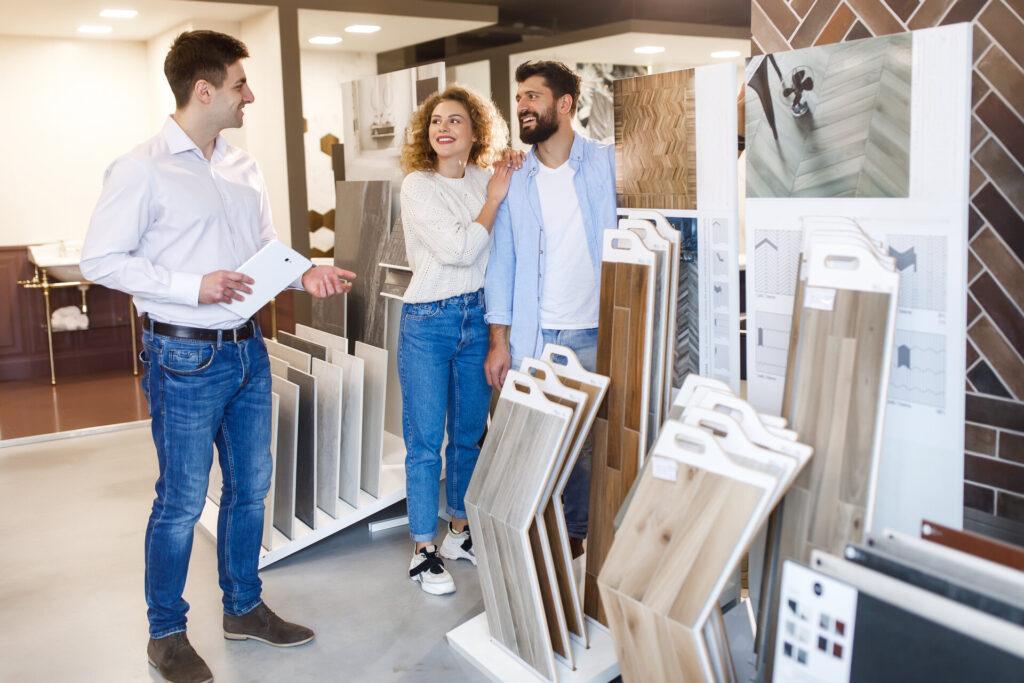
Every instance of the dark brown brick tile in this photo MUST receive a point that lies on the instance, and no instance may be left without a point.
(972, 353)
(973, 266)
(963, 10)
(813, 23)
(1009, 506)
(802, 7)
(979, 498)
(1002, 217)
(980, 43)
(858, 31)
(837, 26)
(1005, 174)
(1005, 76)
(995, 412)
(1011, 446)
(995, 473)
(1000, 309)
(1001, 263)
(974, 222)
(902, 8)
(1006, 28)
(779, 14)
(877, 17)
(986, 382)
(764, 32)
(929, 13)
(979, 439)
(994, 349)
(1003, 123)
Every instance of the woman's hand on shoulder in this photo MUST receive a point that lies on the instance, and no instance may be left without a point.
(512, 158)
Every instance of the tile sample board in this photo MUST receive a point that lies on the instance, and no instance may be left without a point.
(295, 358)
(329, 403)
(516, 460)
(375, 377)
(287, 447)
(314, 349)
(925, 229)
(352, 372)
(571, 373)
(362, 225)
(268, 504)
(693, 516)
(975, 544)
(395, 255)
(328, 339)
(330, 315)
(277, 366)
(655, 141)
(305, 454)
(624, 349)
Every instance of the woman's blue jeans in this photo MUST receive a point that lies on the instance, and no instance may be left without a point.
(441, 350)
(203, 393)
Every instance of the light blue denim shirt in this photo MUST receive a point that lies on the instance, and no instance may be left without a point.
(515, 272)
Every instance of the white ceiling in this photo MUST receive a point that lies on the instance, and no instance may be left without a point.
(61, 18)
(395, 31)
(680, 51)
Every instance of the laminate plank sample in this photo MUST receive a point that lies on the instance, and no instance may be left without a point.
(329, 413)
(361, 227)
(268, 504)
(352, 371)
(287, 447)
(305, 454)
(836, 379)
(974, 544)
(623, 354)
(655, 141)
(314, 349)
(295, 358)
(515, 463)
(375, 378)
(321, 337)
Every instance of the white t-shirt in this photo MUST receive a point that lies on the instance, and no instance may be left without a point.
(570, 297)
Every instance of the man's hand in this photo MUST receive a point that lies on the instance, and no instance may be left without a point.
(499, 360)
(325, 281)
(224, 286)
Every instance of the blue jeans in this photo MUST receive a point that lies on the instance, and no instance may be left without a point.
(441, 350)
(200, 394)
(576, 497)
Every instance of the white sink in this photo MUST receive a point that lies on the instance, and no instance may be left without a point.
(60, 259)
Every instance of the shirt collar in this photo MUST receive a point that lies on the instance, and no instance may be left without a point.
(178, 141)
(576, 152)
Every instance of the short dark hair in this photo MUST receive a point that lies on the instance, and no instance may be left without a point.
(200, 55)
(561, 79)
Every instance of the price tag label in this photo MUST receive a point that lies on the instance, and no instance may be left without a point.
(664, 468)
(823, 298)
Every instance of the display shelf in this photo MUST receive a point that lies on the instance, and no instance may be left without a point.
(392, 490)
(596, 664)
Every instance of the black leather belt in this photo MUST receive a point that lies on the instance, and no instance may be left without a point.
(236, 334)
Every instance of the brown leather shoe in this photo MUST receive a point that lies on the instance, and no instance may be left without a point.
(261, 624)
(576, 546)
(176, 659)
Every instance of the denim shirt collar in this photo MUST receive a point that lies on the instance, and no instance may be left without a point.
(576, 154)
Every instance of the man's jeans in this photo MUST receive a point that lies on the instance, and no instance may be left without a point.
(201, 393)
(576, 498)
(441, 350)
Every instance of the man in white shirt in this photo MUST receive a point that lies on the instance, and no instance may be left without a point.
(176, 217)
(544, 273)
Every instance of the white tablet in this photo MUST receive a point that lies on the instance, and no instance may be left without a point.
(273, 267)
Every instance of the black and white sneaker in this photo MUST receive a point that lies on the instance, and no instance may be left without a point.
(428, 569)
(458, 545)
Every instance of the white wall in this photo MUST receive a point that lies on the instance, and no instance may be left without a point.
(475, 75)
(264, 125)
(323, 73)
(70, 108)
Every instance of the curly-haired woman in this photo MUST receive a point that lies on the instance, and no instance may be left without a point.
(449, 201)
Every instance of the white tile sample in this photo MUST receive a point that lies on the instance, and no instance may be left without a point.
(331, 341)
(328, 434)
(374, 395)
(351, 425)
(295, 358)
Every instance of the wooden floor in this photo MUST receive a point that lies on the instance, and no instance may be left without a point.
(33, 407)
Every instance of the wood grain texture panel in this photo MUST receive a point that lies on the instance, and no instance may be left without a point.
(655, 141)
(974, 544)
(306, 450)
(362, 226)
(617, 435)
(287, 444)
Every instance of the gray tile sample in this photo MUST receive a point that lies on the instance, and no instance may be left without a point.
(328, 339)
(328, 434)
(268, 504)
(351, 425)
(305, 454)
(306, 346)
(375, 378)
(361, 228)
(287, 444)
(395, 255)
(295, 358)
(330, 315)
(393, 400)
(278, 366)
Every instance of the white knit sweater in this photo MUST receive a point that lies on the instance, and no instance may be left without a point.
(447, 248)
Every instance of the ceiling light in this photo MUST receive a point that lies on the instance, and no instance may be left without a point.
(94, 28)
(325, 40)
(649, 50)
(119, 14)
(725, 54)
(362, 28)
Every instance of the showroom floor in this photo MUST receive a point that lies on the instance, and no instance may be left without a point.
(72, 518)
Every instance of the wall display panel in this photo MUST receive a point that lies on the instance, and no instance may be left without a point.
(924, 229)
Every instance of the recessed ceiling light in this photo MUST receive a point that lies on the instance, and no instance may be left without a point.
(648, 50)
(119, 14)
(362, 28)
(94, 28)
(325, 40)
(725, 54)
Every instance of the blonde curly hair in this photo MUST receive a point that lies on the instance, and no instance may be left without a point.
(489, 127)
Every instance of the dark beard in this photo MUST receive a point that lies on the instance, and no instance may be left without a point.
(546, 126)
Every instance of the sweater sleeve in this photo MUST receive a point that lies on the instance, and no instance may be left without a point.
(426, 216)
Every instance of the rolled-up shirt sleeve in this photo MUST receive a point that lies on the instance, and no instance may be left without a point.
(425, 214)
(121, 216)
(501, 267)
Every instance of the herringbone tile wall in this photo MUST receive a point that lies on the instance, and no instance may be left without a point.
(994, 448)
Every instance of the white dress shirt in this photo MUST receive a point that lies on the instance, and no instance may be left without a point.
(166, 216)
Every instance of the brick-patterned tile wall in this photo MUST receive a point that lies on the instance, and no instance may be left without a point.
(994, 443)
